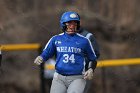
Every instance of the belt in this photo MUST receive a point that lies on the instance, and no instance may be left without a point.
(68, 76)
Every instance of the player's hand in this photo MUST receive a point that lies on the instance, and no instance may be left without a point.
(38, 60)
(88, 74)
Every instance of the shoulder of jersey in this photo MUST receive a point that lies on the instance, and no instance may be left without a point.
(81, 36)
(61, 34)
(58, 35)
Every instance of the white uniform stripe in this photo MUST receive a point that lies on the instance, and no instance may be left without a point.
(50, 40)
(48, 43)
(91, 47)
(88, 35)
(80, 35)
(89, 43)
(61, 33)
(83, 72)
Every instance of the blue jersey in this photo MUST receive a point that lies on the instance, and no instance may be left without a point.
(70, 52)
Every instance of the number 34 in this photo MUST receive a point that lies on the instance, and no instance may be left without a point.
(68, 58)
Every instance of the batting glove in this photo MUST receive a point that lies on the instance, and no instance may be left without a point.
(38, 60)
(88, 74)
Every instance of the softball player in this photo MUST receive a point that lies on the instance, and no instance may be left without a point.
(70, 49)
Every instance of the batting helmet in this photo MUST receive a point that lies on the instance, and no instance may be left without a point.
(69, 16)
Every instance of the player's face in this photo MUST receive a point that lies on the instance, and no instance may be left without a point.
(71, 27)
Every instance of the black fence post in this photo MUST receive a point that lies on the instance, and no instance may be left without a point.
(104, 80)
(0, 60)
(42, 79)
(0, 57)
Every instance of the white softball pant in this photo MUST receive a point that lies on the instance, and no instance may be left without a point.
(67, 84)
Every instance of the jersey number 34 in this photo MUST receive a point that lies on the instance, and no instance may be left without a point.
(68, 58)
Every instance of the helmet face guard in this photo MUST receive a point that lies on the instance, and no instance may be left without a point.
(69, 16)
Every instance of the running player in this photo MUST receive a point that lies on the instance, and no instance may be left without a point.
(70, 49)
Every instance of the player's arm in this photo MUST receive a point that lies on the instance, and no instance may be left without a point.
(93, 62)
(89, 73)
(47, 53)
(94, 44)
(92, 65)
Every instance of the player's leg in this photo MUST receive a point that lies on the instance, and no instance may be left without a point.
(58, 85)
(77, 86)
(88, 84)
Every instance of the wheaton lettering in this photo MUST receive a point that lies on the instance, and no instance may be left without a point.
(69, 49)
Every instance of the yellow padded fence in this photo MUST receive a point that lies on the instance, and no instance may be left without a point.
(109, 63)
(118, 62)
(13, 47)
(101, 63)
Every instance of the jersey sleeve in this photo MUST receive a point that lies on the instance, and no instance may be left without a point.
(94, 44)
(90, 51)
(49, 50)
